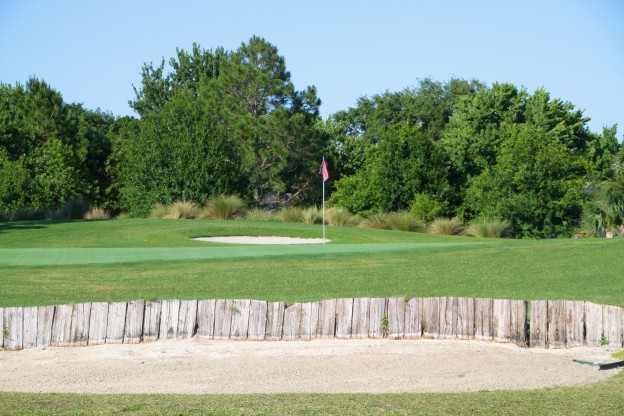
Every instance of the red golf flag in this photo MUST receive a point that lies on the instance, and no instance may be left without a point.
(324, 170)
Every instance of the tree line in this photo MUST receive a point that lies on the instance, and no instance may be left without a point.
(214, 122)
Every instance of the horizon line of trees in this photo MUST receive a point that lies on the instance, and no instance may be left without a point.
(217, 122)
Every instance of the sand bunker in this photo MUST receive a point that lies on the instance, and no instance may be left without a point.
(261, 240)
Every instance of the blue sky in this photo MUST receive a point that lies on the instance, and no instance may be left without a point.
(92, 51)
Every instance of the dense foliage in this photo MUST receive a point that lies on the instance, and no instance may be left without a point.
(218, 122)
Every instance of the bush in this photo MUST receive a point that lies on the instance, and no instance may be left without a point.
(291, 214)
(28, 214)
(445, 226)
(489, 228)
(426, 207)
(312, 215)
(224, 207)
(97, 213)
(73, 209)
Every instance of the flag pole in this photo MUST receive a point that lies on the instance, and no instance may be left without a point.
(323, 211)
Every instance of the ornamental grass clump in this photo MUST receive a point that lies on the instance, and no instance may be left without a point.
(183, 209)
(259, 214)
(224, 207)
(405, 221)
(291, 214)
(338, 217)
(159, 211)
(378, 221)
(97, 213)
(312, 215)
(489, 228)
(445, 226)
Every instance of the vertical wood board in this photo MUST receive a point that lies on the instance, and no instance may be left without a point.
(613, 325)
(30, 330)
(519, 323)
(223, 318)
(413, 318)
(61, 328)
(574, 312)
(309, 320)
(344, 317)
(45, 318)
(539, 323)
(135, 316)
(206, 318)
(14, 324)
(151, 320)
(258, 311)
(169, 319)
(431, 318)
(360, 319)
(292, 322)
(116, 322)
(327, 319)
(556, 324)
(187, 319)
(396, 317)
(501, 320)
(98, 323)
(378, 316)
(81, 314)
(465, 326)
(448, 317)
(483, 319)
(275, 320)
(593, 324)
(240, 319)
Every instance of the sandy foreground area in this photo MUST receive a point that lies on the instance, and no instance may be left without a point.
(199, 366)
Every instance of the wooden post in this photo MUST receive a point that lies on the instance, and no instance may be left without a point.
(45, 318)
(257, 320)
(61, 328)
(574, 313)
(79, 332)
(519, 324)
(151, 320)
(360, 318)
(14, 324)
(275, 320)
(309, 320)
(483, 319)
(223, 318)
(292, 322)
(134, 322)
(206, 318)
(539, 323)
(613, 325)
(593, 324)
(240, 319)
(431, 317)
(501, 320)
(98, 323)
(169, 319)
(414, 318)
(327, 319)
(465, 318)
(448, 317)
(3, 328)
(396, 317)
(116, 322)
(344, 317)
(378, 316)
(556, 324)
(187, 319)
(30, 327)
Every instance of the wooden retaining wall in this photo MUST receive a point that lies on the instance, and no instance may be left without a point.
(538, 323)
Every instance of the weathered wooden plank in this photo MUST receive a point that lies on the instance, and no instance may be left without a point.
(431, 317)
(327, 319)
(61, 327)
(539, 323)
(292, 323)
(187, 319)
(465, 325)
(29, 339)
(309, 320)
(45, 318)
(574, 312)
(360, 319)
(206, 318)
(3, 328)
(344, 317)
(151, 320)
(414, 318)
(98, 323)
(593, 324)
(169, 319)
(224, 308)
(275, 320)
(240, 319)
(448, 317)
(135, 314)
(379, 324)
(396, 318)
(14, 324)
(116, 323)
(556, 324)
(79, 332)
(501, 320)
(519, 324)
(257, 320)
(613, 325)
(483, 319)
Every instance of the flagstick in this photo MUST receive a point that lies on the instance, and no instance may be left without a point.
(323, 212)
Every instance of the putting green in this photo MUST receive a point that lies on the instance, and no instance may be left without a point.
(65, 256)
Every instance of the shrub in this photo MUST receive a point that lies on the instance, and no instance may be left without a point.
(73, 209)
(339, 217)
(291, 214)
(183, 209)
(159, 211)
(224, 207)
(445, 226)
(28, 214)
(97, 213)
(426, 207)
(378, 221)
(312, 215)
(489, 228)
(259, 214)
(405, 221)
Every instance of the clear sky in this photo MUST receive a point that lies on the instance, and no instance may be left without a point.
(92, 51)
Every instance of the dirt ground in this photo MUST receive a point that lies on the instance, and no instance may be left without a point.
(320, 366)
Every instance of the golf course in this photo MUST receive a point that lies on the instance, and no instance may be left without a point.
(62, 262)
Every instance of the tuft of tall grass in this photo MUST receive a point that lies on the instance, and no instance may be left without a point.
(338, 217)
(445, 226)
(73, 209)
(312, 215)
(183, 209)
(28, 214)
(159, 211)
(489, 228)
(377, 221)
(97, 213)
(405, 221)
(291, 214)
(259, 214)
(224, 207)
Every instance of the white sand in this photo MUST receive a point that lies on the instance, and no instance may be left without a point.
(322, 366)
(261, 240)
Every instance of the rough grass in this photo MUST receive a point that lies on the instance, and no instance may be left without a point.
(488, 228)
(224, 207)
(291, 214)
(445, 226)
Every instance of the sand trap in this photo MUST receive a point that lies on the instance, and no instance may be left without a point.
(320, 366)
(261, 240)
